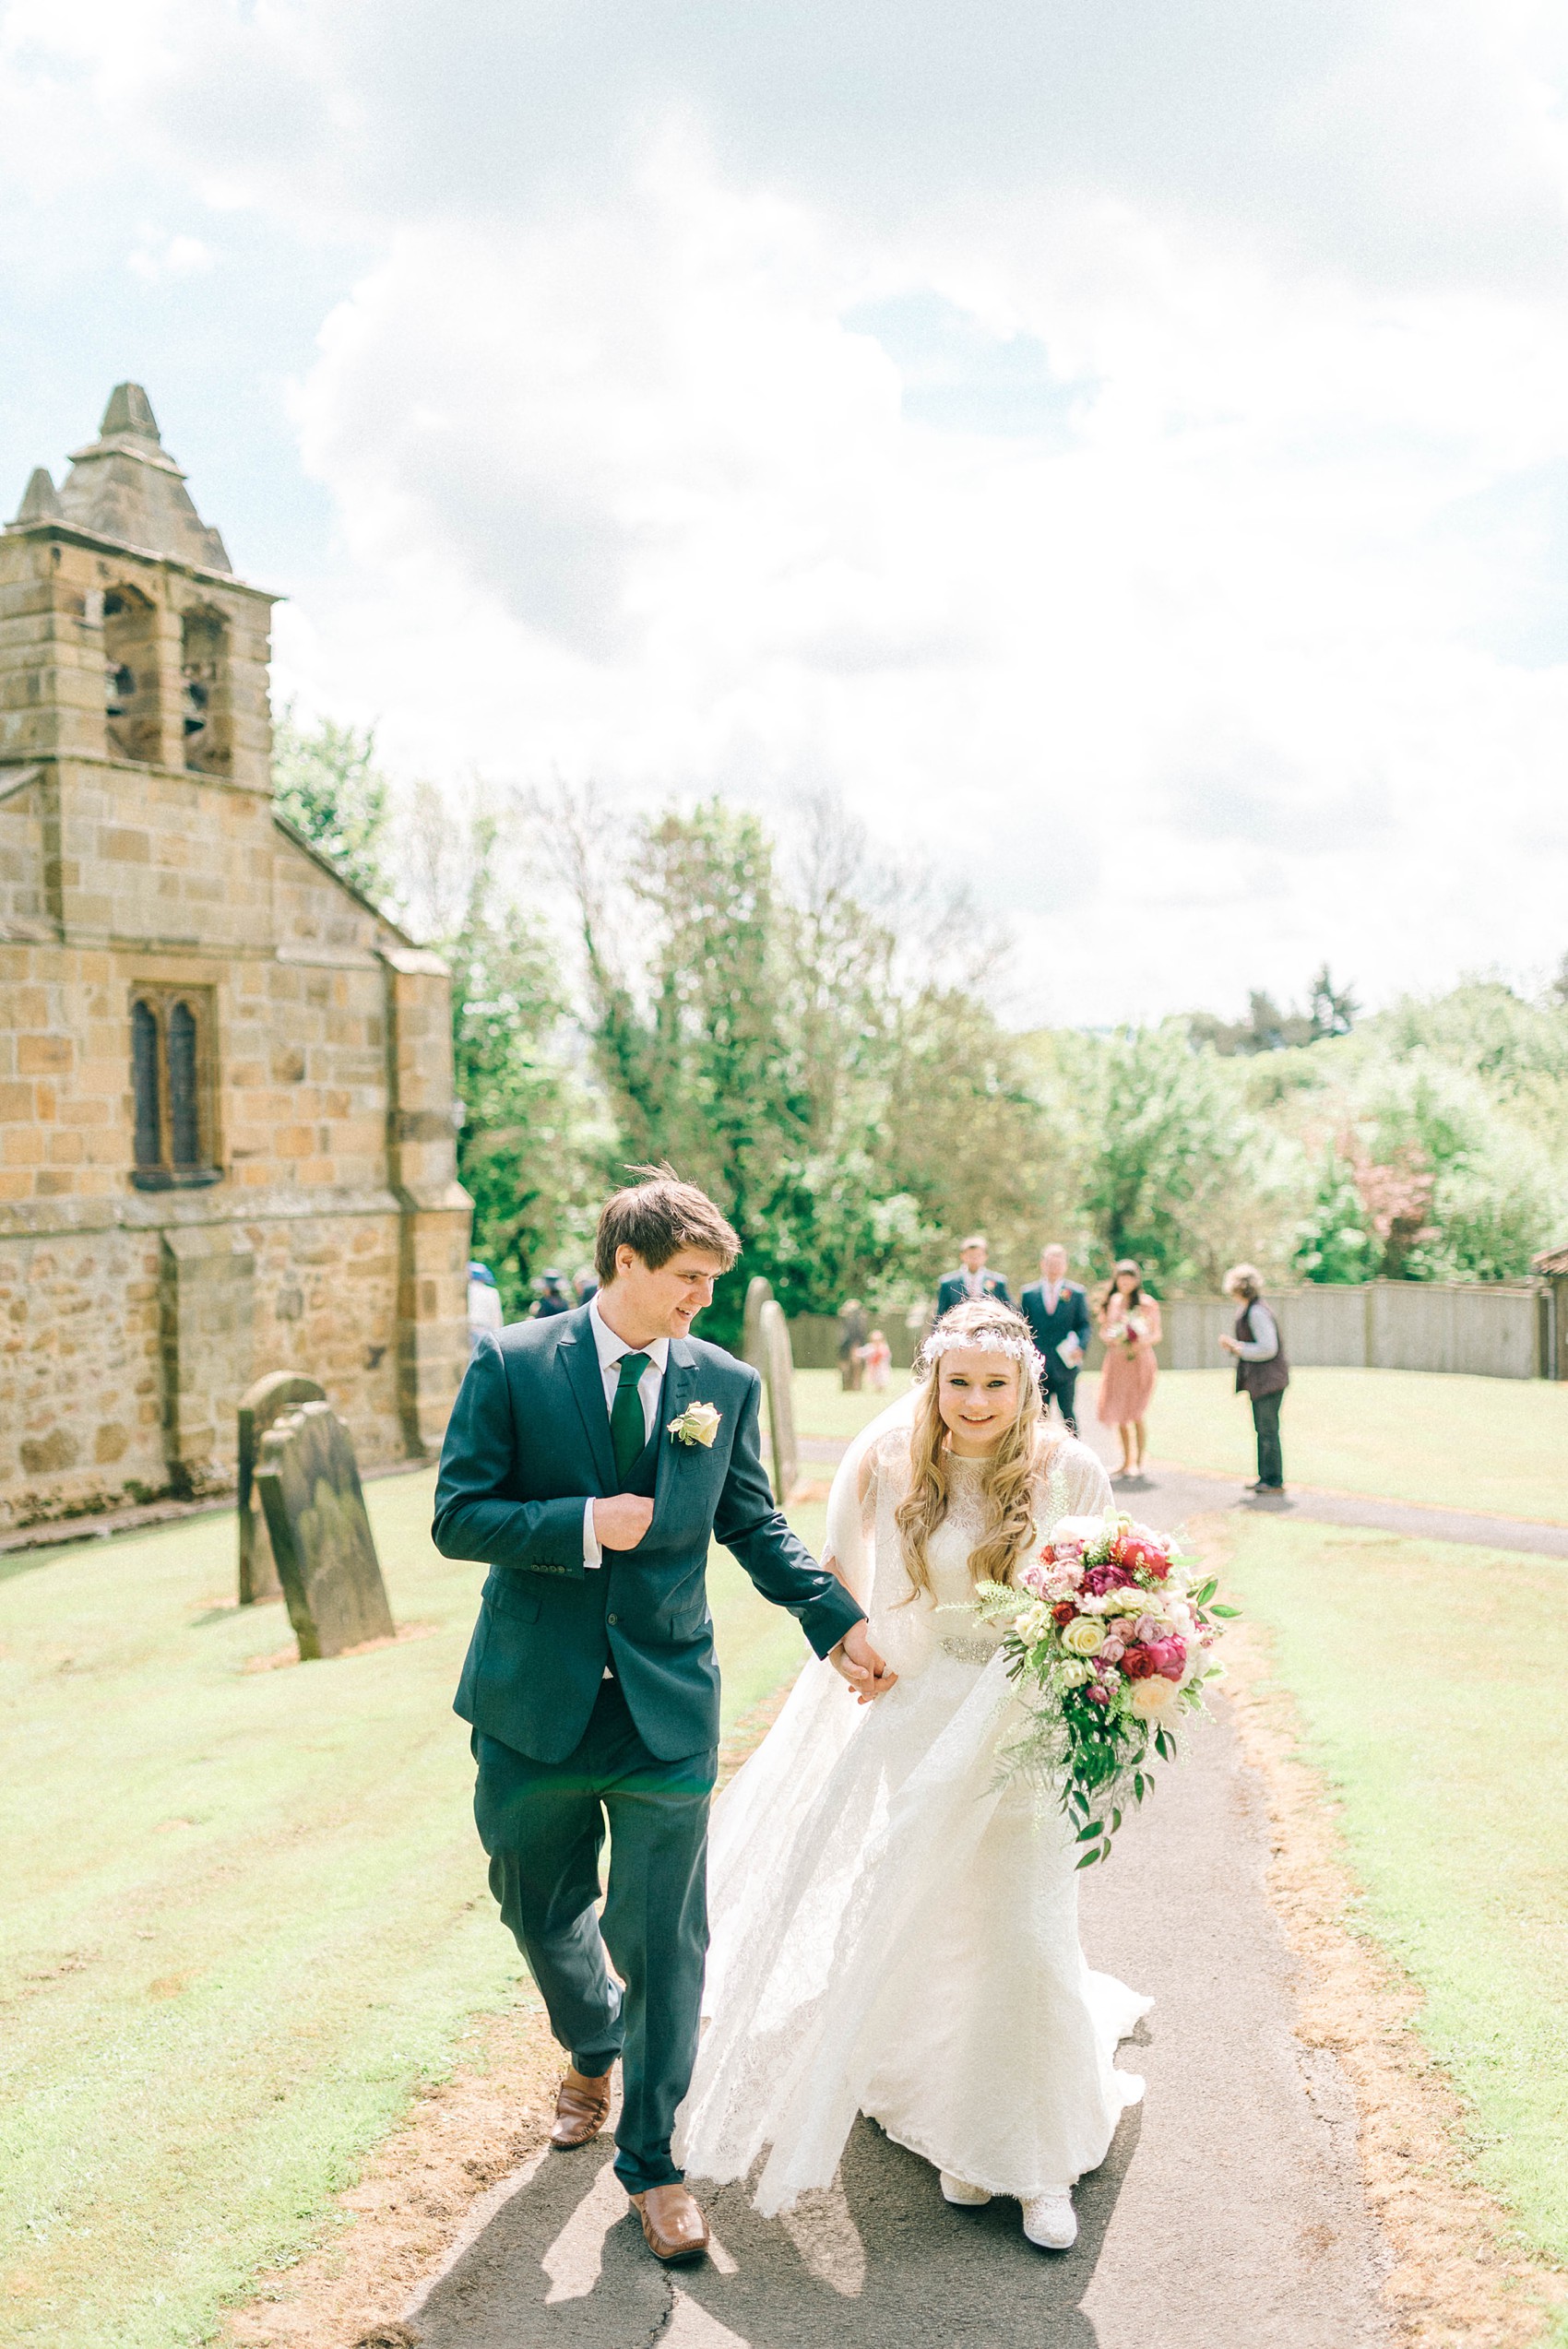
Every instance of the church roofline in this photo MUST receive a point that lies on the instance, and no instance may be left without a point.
(58, 526)
(319, 857)
(130, 444)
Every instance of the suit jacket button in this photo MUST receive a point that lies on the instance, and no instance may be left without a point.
(612, 1619)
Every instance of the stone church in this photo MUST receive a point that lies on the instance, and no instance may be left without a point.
(227, 1136)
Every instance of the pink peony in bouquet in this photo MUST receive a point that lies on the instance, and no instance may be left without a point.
(1110, 1623)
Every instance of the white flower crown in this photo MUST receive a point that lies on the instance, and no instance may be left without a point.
(984, 1341)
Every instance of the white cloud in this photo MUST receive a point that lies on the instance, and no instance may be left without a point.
(1123, 451)
(154, 259)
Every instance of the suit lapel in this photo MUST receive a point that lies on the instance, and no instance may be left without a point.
(680, 1377)
(580, 1357)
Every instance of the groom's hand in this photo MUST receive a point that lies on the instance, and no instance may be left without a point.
(620, 1521)
(859, 1661)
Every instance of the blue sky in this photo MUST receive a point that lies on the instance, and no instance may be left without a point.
(1120, 451)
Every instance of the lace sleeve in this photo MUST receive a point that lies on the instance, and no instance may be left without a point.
(868, 1484)
(1085, 1487)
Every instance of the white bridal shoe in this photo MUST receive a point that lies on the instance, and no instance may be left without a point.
(967, 2198)
(1050, 2220)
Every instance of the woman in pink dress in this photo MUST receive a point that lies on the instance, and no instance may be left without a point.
(1129, 1323)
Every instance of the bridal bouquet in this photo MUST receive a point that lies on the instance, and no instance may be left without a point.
(1112, 1625)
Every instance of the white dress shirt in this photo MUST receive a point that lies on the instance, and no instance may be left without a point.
(1050, 1290)
(650, 1387)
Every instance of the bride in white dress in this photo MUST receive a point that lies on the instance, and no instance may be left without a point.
(895, 1931)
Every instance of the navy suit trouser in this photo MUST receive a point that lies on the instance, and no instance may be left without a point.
(543, 1825)
(1062, 1384)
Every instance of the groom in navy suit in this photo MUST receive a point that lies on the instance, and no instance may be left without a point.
(590, 1459)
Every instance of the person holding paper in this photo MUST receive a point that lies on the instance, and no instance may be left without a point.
(1057, 1312)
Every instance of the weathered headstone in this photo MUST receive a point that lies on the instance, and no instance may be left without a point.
(309, 1483)
(260, 1404)
(778, 1375)
(758, 1291)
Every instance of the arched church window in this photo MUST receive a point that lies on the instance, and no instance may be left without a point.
(145, 1085)
(132, 703)
(183, 1122)
(204, 681)
(173, 1088)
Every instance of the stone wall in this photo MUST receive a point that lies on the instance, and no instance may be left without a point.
(335, 1239)
(299, 1208)
(23, 903)
(81, 1397)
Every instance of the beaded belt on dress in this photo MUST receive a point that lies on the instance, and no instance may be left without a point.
(969, 1651)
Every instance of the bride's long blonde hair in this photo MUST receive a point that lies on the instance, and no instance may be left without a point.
(1009, 1471)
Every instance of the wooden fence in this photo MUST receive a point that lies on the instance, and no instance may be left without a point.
(1497, 1330)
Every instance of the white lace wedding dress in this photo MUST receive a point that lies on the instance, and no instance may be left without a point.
(892, 1933)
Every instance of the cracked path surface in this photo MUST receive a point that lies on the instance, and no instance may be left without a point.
(1229, 2214)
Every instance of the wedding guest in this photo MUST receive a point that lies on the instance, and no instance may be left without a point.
(485, 1304)
(1262, 1371)
(1129, 1323)
(853, 1325)
(584, 1285)
(876, 1358)
(1057, 1310)
(972, 1279)
(552, 1297)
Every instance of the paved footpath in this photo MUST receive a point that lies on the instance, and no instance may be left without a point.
(1166, 1496)
(1229, 2214)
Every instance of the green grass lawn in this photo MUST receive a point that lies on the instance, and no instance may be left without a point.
(1487, 1444)
(244, 1912)
(1430, 1678)
(822, 1409)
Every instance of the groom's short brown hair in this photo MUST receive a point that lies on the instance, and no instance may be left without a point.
(658, 1216)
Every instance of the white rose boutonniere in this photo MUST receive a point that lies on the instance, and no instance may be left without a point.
(698, 1423)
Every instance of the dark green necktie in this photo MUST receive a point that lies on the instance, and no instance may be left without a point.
(626, 1435)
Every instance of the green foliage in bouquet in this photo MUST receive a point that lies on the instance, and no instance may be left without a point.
(1113, 1628)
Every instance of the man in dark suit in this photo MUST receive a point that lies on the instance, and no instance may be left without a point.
(971, 1279)
(1057, 1310)
(592, 1457)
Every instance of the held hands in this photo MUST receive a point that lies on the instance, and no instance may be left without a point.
(1230, 1344)
(620, 1521)
(860, 1664)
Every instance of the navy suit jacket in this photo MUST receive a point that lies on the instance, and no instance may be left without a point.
(527, 1448)
(1070, 1319)
(952, 1289)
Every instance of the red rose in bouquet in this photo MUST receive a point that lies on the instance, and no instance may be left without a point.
(1110, 1671)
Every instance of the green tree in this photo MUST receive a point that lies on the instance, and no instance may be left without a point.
(526, 1151)
(327, 783)
(1169, 1165)
(762, 1039)
(1333, 1242)
(1330, 1011)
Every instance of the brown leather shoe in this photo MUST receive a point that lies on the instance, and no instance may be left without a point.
(674, 2226)
(582, 2107)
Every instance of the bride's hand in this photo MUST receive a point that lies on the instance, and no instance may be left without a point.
(860, 1664)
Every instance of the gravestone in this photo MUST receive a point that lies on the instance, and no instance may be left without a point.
(309, 1483)
(778, 1376)
(259, 1405)
(758, 1291)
